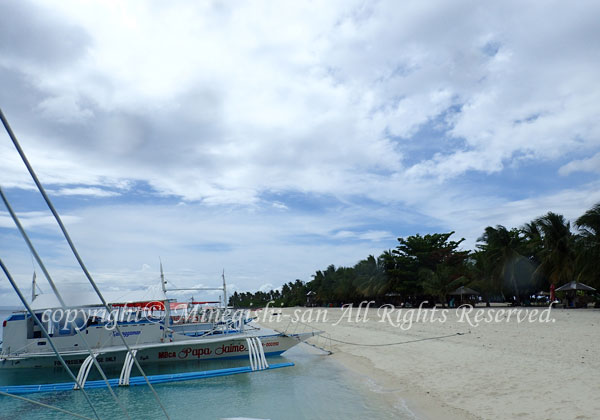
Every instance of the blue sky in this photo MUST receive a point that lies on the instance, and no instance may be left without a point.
(272, 139)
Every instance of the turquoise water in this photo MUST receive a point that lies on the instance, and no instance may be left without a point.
(317, 387)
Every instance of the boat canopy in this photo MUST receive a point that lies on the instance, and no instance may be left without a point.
(76, 299)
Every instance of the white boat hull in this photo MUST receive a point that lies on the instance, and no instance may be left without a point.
(178, 352)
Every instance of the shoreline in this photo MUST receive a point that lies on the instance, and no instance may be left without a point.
(494, 370)
(420, 404)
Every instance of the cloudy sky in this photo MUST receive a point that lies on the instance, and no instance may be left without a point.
(272, 139)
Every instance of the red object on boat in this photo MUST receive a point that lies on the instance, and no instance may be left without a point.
(552, 293)
(150, 305)
(156, 305)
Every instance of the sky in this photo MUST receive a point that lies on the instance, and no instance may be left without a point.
(273, 138)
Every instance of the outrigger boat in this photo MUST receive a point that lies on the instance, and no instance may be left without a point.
(147, 326)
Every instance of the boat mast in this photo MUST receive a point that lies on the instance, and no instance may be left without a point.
(162, 279)
(163, 282)
(33, 294)
(224, 290)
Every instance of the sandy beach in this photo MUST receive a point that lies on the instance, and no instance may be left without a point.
(496, 370)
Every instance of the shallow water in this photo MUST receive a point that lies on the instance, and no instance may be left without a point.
(317, 387)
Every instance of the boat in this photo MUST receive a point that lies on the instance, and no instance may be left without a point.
(146, 324)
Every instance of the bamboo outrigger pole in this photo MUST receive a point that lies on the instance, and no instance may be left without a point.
(73, 249)
(45, 333)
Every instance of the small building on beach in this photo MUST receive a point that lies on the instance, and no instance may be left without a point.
(572, 294)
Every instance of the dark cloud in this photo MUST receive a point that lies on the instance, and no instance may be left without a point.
(120, 143)
(36, 36)
(18, 97)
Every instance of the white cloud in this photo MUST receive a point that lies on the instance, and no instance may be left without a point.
(280, 206)
(31, 219)
(215, 106)
(369, 235)
(377, 235)
(591, 164)
(470, 214)
(87, 191)
(266, 287)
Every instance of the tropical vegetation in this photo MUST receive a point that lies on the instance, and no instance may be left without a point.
(508, 264)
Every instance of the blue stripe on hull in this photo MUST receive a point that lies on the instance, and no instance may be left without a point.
(136, 380)
(242, 356)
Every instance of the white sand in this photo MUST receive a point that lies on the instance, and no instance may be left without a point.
(494, 371)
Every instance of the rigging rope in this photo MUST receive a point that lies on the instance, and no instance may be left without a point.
(45, 333)
(75, 252)
(398, 343)
(58, 295)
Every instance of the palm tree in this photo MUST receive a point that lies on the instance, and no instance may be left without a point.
(503, 249)
(370, 277)
(558, 256)
(481, 271)
(588, 254)
(345, 285)
(441, 282)
(589, 223)
(534, 244)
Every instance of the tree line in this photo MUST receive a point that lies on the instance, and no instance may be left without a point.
(507, 265)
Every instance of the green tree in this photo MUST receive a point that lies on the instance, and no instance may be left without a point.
(370, 277)
(588, 247)
(533, 241)
(558, 255)
(504, 250)
(432, 257)
(441, 282)
(483, 276)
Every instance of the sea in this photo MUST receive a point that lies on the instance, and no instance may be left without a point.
(317, 387)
